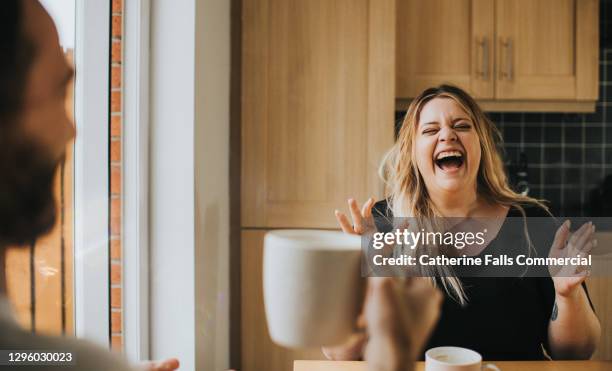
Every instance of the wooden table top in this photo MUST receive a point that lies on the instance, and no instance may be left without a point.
(504, 366)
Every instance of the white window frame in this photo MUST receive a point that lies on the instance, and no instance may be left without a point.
(189, 231)
(136, 16)
(91, 187)
(92, 302)
(170, 290)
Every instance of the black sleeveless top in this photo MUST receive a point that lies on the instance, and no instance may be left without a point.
(504, 318)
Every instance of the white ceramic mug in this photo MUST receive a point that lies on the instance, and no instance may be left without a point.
(312, 286)
(455, 359)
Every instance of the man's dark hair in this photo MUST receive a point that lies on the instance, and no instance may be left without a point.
(15, 52)
(27, 208)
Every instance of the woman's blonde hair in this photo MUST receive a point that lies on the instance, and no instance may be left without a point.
(405, 187)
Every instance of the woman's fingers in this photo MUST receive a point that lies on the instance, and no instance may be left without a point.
(366, 210)
(344, 222)
(585, 237)
(356, 215)
(562, 235)
(361, 219)
(578, 234)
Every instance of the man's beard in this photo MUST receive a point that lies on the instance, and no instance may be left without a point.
(27, 204)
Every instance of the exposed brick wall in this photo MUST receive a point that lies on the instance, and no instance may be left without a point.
(116, 121)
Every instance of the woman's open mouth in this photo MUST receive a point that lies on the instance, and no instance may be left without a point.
(449, 161)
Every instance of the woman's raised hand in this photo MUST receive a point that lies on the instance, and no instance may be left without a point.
(581, 242)
(362, 218)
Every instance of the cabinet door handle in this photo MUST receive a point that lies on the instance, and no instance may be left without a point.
(480, 49)
(485, 58)
(483, 69)
(510, 59)
(506, 69)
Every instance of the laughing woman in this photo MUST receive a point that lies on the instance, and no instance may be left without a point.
(446, 163)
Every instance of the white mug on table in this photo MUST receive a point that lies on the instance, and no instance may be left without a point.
(455, 359)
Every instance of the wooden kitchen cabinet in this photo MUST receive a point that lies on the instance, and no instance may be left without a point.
(547, 49)
(600, 292)
(512, 55)
(317, 100)
(601, 297)
(445, 41)
(258, 352)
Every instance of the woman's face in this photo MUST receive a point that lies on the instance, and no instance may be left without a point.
(447, 147)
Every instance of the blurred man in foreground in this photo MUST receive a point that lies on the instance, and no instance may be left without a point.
(398, 317)
(34, 132)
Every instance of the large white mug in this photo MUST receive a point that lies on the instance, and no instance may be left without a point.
(312, 286)
(455, 359)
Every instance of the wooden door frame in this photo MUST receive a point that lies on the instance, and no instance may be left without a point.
(235, 184)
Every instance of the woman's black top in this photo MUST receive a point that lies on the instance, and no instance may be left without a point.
(504, 318)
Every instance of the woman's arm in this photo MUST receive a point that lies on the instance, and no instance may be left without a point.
(573, 330)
